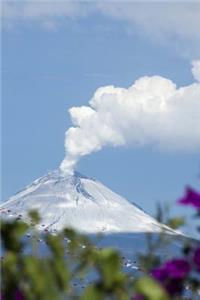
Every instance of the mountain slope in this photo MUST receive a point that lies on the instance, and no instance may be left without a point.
(78, 202)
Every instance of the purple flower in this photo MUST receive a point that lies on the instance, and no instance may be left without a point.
(172, 274)
(196, 258)
(160, 274)
(191, 197)
(19, 295)
(174, 286)
(177, 268)
(138, 297)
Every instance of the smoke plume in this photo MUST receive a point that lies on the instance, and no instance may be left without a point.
(152, 111)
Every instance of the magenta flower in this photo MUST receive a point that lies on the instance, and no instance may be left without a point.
(174, 286)
(160, 274)
(177, 268)
(138, 297)
(196, 258)
(172, 274)
(19, 295)
(191, 197)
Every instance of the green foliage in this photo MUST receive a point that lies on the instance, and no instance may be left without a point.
(176, 223)
(92, 292)
(51, 276)
(70, 257)
(34, 216)
(150, 289)
(12, 233)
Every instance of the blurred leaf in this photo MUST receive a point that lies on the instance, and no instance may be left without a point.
(12, 234)
(176, 222)
(109, 266)
(194, 284)
(159, 213)
(55, 244)
(149, 261)
(92, 293)
(187, 249)
(34, 216)
(150, 289)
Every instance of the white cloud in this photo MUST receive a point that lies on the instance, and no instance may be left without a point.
(173, 22)
(196, 69)
(48, 13)
(158, 18)
(152, 111)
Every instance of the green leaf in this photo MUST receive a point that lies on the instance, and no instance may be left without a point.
(12, 234)
(92, 293)
(150, 289)
(176, 222)
(109, 266)
(34, 216)
(55, 245)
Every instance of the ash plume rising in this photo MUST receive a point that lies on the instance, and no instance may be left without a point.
(152, 111)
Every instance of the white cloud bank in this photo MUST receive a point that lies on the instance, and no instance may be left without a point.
(157, 18)
(196, 69)
(152, 111)
(50, 14)
(174, 23)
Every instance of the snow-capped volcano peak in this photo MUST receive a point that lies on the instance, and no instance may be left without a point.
(79, 202)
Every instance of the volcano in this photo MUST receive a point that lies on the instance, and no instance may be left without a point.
(81, 203)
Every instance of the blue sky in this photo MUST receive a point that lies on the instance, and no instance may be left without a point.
(53, 61)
